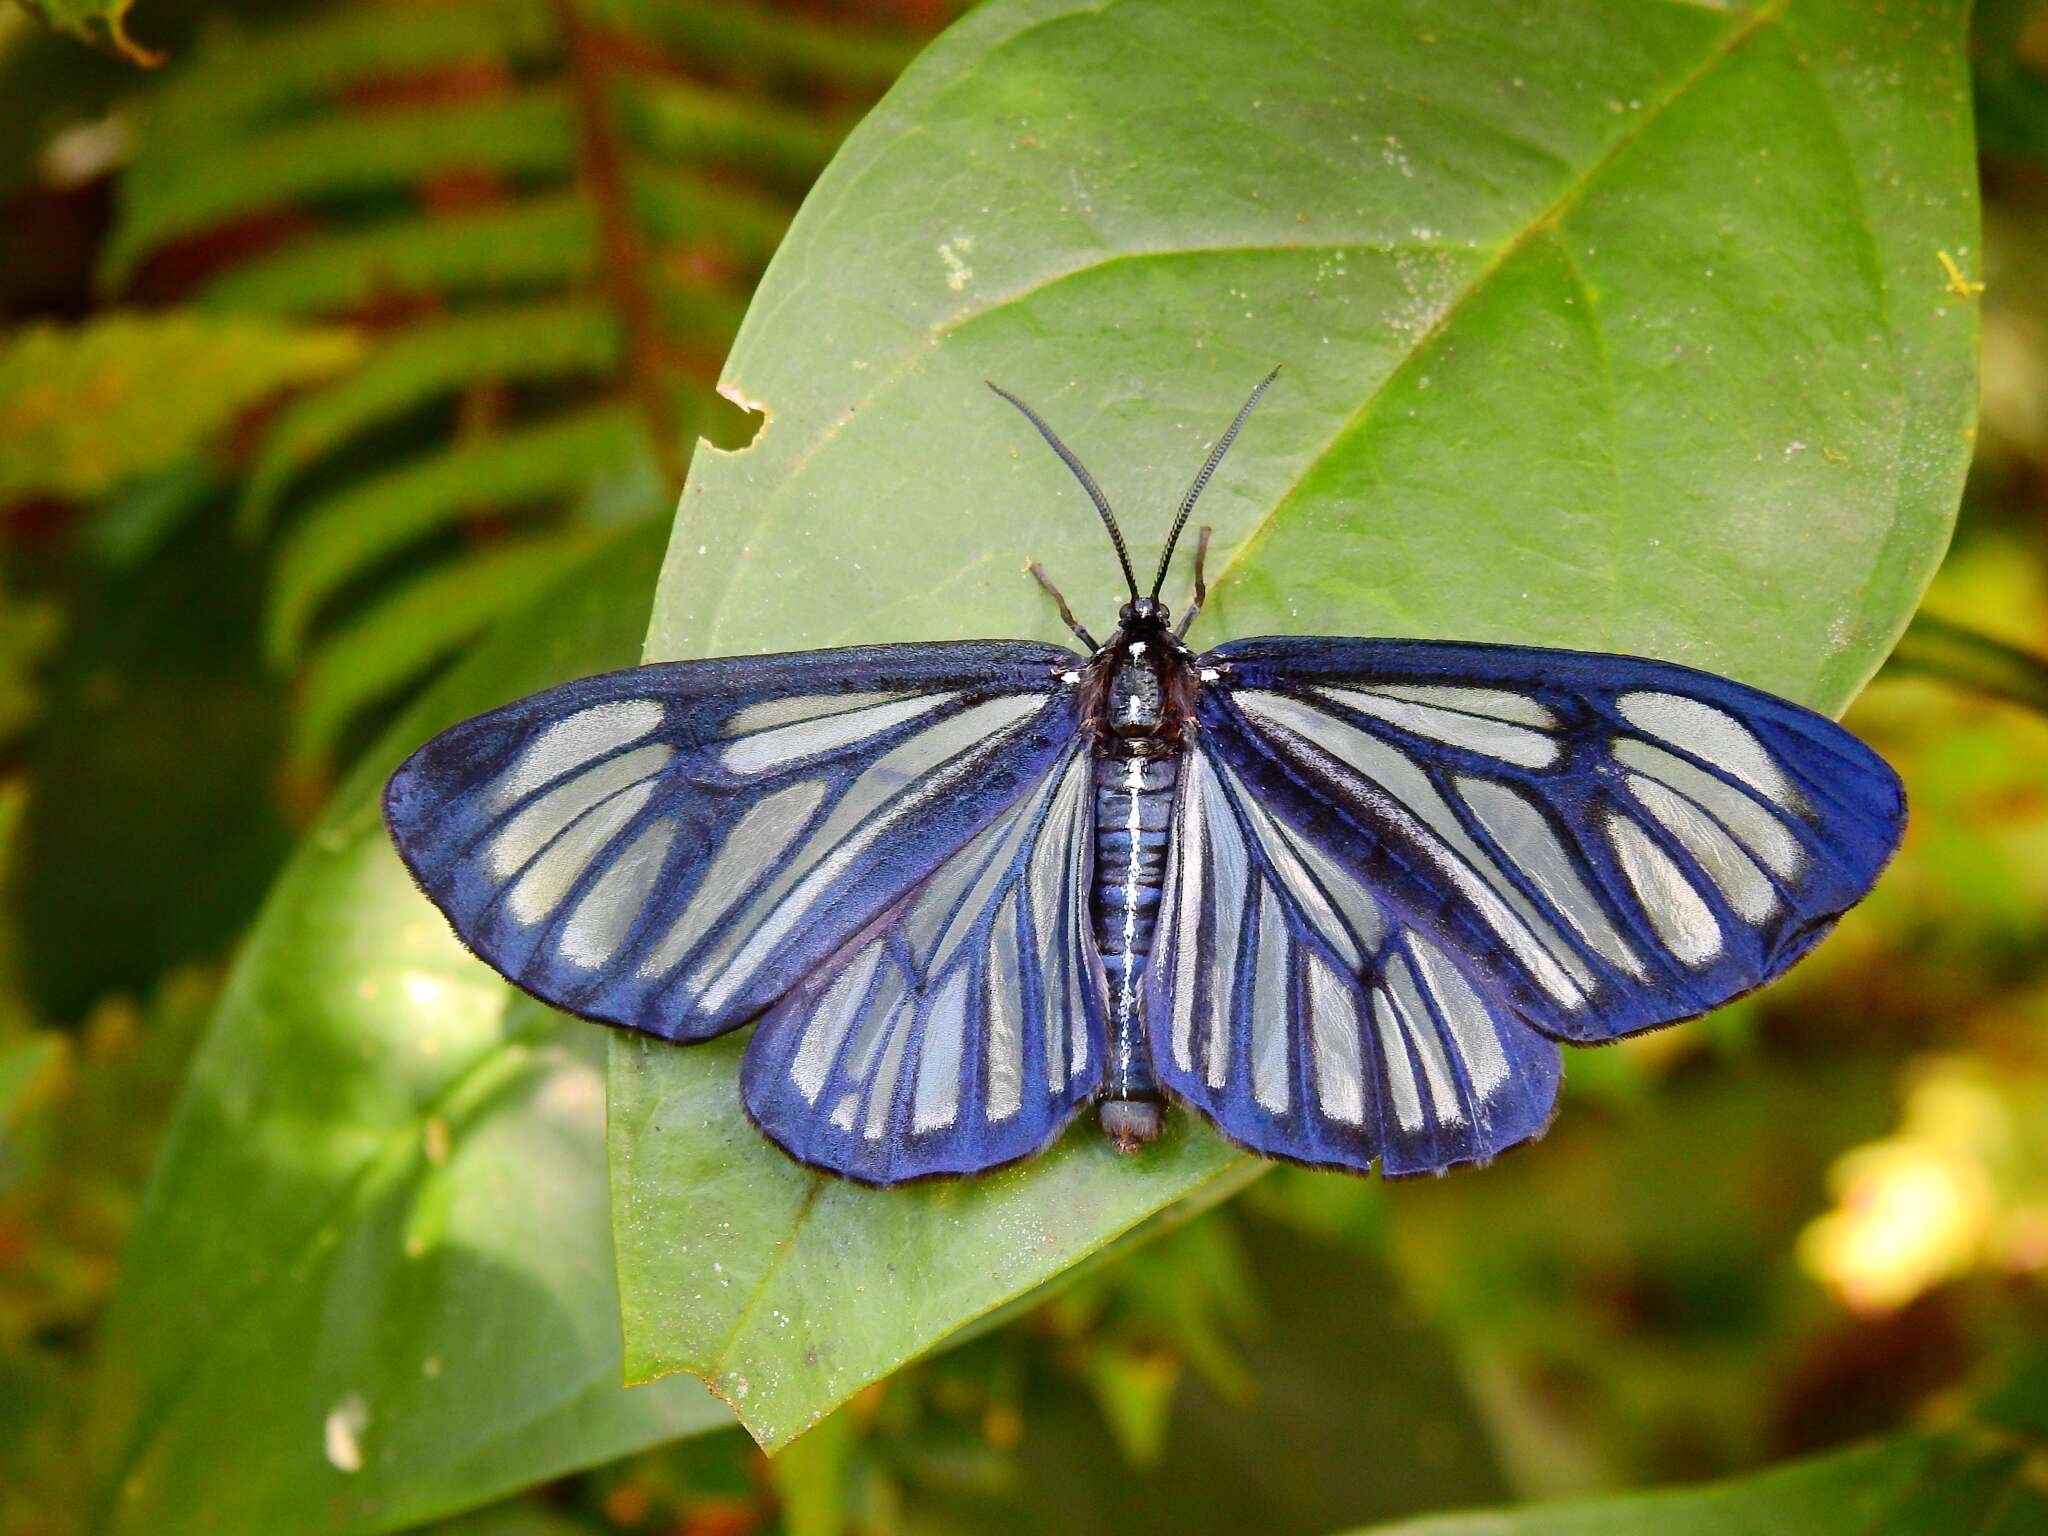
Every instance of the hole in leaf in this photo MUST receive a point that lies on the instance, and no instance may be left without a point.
(734, 423)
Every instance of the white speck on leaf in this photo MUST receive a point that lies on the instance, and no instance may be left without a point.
(958, 273)
(346, 1421)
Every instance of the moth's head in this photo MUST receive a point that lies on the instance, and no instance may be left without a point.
(1140, 612)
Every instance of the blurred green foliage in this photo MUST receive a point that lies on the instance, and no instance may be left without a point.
(1819, 1218)
(103, 23)
(83, 411)
(541, 219)
(1977, 1478)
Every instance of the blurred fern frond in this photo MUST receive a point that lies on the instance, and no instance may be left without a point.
(85, 409)
(546, 217)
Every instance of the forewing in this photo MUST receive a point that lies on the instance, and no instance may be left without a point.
(963, 1027)
(1288, 1002)
(1601, 844)
(670, 848)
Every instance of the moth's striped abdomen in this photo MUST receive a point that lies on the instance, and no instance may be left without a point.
(1133, 810)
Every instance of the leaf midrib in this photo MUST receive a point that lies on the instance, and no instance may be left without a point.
(1541, 225)
(1725, 47)
(715, 1370)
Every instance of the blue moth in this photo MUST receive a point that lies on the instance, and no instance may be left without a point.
(1341, 898)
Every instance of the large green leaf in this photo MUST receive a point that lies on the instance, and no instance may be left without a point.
(1908, 1488)
(370, 1281)
(1981, 1479)
(1609, 323)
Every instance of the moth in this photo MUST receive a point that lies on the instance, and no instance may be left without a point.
(1343, 899)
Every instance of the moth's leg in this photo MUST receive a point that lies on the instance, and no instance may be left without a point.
(1066, 614)
(1201, 585)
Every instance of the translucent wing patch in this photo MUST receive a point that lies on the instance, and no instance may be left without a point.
(672, 847)
(963, 1028)
(1601, 844)
(1291, 1006)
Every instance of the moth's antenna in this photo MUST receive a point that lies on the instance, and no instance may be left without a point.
(1116, 534)
(1187, 502)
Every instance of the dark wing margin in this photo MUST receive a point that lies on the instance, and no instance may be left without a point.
(672, 847)
(1400, 865)
(963, 1028)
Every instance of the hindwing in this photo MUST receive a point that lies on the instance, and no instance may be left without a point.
(1292, 1006)
(962, 1028)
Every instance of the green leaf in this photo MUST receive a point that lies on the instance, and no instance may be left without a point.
(1955, 653)
(546, 211)
(252, 77)
(21, 1061)
(524, 344)
(673, 118)
(810, 1479)
(1914, 1486)
(527, 135)
(1134, 1389)
(371, 1273)
(789, 1292)
(82, 410)
(525, 246)
(755, 39)
(103, 23)
(1620, 326)
(419, 622)
(341, 537)
(678, 206)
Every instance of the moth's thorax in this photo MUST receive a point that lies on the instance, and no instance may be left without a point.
(1138, 692)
